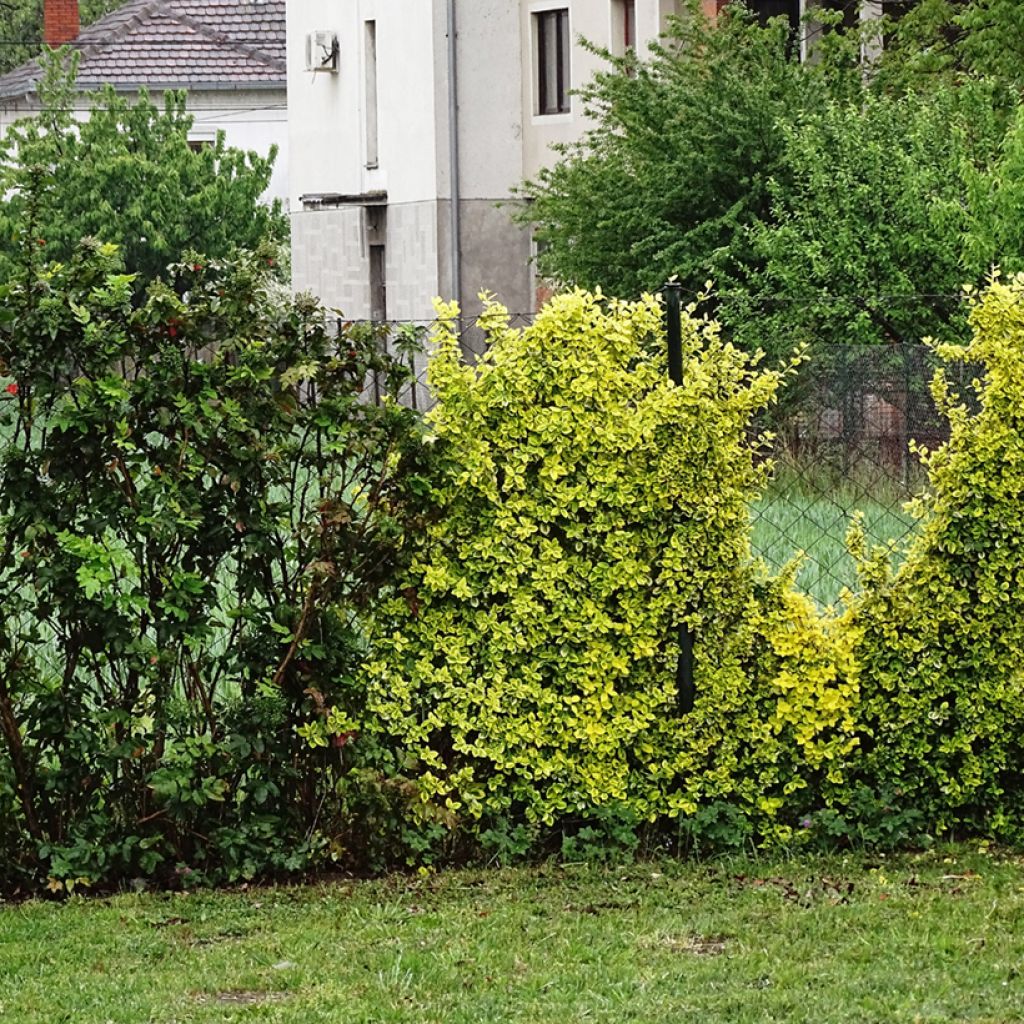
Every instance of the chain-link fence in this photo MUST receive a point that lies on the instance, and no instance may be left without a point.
(846, 438)
(843, 439)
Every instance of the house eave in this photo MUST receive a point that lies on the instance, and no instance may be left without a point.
(318, 200)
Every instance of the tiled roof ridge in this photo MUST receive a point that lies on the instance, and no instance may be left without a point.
(223, 38)
(140, 11)
(118, 25)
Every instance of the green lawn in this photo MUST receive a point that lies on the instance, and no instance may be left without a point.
(813, 521)
(936, 938)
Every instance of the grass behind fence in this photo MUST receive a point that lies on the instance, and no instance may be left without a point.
(809, 518)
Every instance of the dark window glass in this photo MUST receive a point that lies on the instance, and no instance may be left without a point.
(629, 23)
(553, 61)
(765, 9)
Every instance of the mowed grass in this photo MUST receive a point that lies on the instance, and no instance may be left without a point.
(795, 519)
(936, 938)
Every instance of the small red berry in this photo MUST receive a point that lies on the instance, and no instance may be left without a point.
(197, 267)
(172, 331)
(11, 389)
(41, 241)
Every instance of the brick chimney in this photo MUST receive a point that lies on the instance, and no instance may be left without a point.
(60, 22)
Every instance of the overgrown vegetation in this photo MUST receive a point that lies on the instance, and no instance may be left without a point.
(255, 623)
(196, 506)
(587, 508)
(940, 641)
(128, 176)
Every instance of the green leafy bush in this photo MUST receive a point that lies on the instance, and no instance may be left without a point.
(126, 175)
(867, 236)
(939, 652)
(585, 507)
(196, 507)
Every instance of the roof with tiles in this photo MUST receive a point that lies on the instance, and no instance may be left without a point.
(180, 44)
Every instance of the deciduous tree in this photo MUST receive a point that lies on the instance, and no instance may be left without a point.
(127, 175)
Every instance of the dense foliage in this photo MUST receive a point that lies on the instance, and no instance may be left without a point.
(953, 40)
(128, 176)
(196, 506)
(587, 508)
(885, 209)
(527, 669)
(940, 644)
(254, 622)
(831, 204)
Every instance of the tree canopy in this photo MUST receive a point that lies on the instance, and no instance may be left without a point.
(129, 176)
(801, 188)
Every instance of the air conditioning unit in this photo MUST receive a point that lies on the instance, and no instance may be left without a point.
(322, 52)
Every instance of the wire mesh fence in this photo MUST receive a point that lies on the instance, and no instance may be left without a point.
(847, 438)
(843, 439)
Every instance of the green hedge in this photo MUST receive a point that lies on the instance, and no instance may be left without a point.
(586, 508)
(254, 624)
(939, 650)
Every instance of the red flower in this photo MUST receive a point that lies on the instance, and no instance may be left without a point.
(11, 389)
(172, 331)
(197, 267)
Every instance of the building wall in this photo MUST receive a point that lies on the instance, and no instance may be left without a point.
(412, 259)
(330, 137)
(330, 258)
(501, 141)
(328, 123)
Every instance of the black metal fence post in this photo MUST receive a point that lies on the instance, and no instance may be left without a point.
(686, 690)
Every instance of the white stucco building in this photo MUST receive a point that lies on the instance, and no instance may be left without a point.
(411, 136)
(228, 54)
(412, 121)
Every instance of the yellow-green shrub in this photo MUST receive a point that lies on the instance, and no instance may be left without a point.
(585, 506)
(939, 653)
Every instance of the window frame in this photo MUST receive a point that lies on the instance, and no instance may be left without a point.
(556, 19)
(628, 25)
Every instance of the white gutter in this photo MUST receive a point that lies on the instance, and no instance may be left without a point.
(455, 218)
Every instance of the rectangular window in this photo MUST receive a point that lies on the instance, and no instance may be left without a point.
(370, 87)
(629, 24)
(552, 61)
(623, 26)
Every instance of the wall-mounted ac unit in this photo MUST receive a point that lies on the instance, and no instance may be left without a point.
(322, 52)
